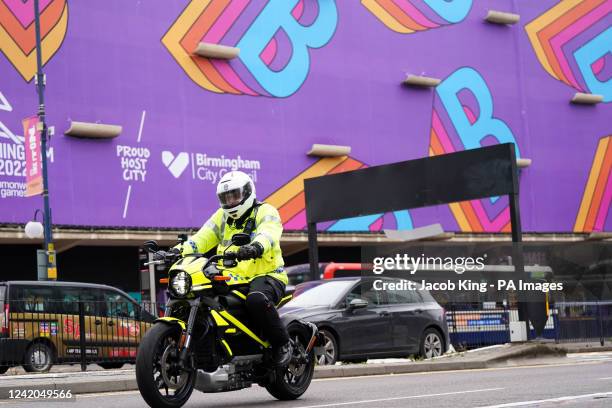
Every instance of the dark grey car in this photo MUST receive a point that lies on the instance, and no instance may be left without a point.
(360, 321)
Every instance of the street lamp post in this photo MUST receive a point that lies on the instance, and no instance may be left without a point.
(51, 271)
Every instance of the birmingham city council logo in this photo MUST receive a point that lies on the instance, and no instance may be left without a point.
(175, 164)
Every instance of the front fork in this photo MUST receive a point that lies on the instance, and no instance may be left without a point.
(194, 306)
(193, 311)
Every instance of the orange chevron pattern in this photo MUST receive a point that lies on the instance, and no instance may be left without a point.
(289, 199)
(551, 34)
(597, 196)
(17, 37)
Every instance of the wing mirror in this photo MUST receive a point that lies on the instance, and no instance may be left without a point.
(358, 304)
(151, 246)
(241, 239)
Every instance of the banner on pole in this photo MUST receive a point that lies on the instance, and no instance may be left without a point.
(34, 179)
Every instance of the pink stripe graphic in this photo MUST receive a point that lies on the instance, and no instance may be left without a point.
(441, 132)
(25, 11)
(377, 225)
(470, 115)
(230, 76)
(225, 20)
(298, 221)
(298, 10)
(487, 225)
(268, 54)
(415, 13)
(604, 206)
(598, 65)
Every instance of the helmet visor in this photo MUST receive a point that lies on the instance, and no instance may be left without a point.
(231, 198)
(236, 196)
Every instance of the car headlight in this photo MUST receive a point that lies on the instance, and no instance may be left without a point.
(180, 284)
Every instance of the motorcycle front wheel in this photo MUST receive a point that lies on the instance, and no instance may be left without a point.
(160, 380)
(292, 381)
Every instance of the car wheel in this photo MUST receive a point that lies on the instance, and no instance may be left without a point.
(38, 358)
(432, 344)
(330, 347)
(4, 369)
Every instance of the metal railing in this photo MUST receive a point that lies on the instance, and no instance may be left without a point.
(584, 321)
(472, 326)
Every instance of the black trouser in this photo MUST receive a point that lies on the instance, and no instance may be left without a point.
(264, 293)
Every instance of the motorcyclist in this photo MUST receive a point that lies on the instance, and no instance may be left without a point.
(260, 261)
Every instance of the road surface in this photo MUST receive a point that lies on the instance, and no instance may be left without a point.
(578, 382)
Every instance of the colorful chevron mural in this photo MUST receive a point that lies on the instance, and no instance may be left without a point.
(289, 200)
(409, 16)
(274, 39)
(595, 206)
(17, 39)
(573, 42)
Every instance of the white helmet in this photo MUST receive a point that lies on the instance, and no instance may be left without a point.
(236, 193)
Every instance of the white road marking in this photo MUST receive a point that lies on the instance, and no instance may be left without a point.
(593, 356)
(142, 119)
(559, 399)
(583, 360)
(127, 201)
(338, 404)
(603, 354)
(606, 378)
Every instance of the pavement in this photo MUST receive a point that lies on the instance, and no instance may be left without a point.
(543, 386)
(507, 355)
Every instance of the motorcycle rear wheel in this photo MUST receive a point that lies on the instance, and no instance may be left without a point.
(292, 381)
(160, 382)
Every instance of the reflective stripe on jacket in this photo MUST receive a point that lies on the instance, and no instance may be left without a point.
(268, 229)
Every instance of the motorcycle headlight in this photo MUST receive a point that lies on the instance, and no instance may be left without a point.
(180, 284)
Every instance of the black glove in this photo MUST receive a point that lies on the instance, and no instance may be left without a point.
(250, 251)
(172, 254)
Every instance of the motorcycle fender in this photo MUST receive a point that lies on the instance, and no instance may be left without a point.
(172, 320)
(317, 340)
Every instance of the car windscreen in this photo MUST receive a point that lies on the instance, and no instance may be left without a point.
(327, 293)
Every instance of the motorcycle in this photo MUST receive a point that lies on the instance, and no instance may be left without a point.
(204, 342)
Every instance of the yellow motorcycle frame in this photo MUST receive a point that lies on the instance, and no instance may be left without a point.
(204, 286)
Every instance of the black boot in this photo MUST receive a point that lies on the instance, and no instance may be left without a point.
(281, 356)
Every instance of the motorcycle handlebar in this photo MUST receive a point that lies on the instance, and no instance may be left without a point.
(215, 258)
(227, 255)
(161, 257)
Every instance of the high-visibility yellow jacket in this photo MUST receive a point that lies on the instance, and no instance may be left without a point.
(268, 229)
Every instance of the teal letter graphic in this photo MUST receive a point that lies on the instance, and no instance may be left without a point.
(275, 16)
(402, 218)
(452, 11)
(587, 55)
(486, 124)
